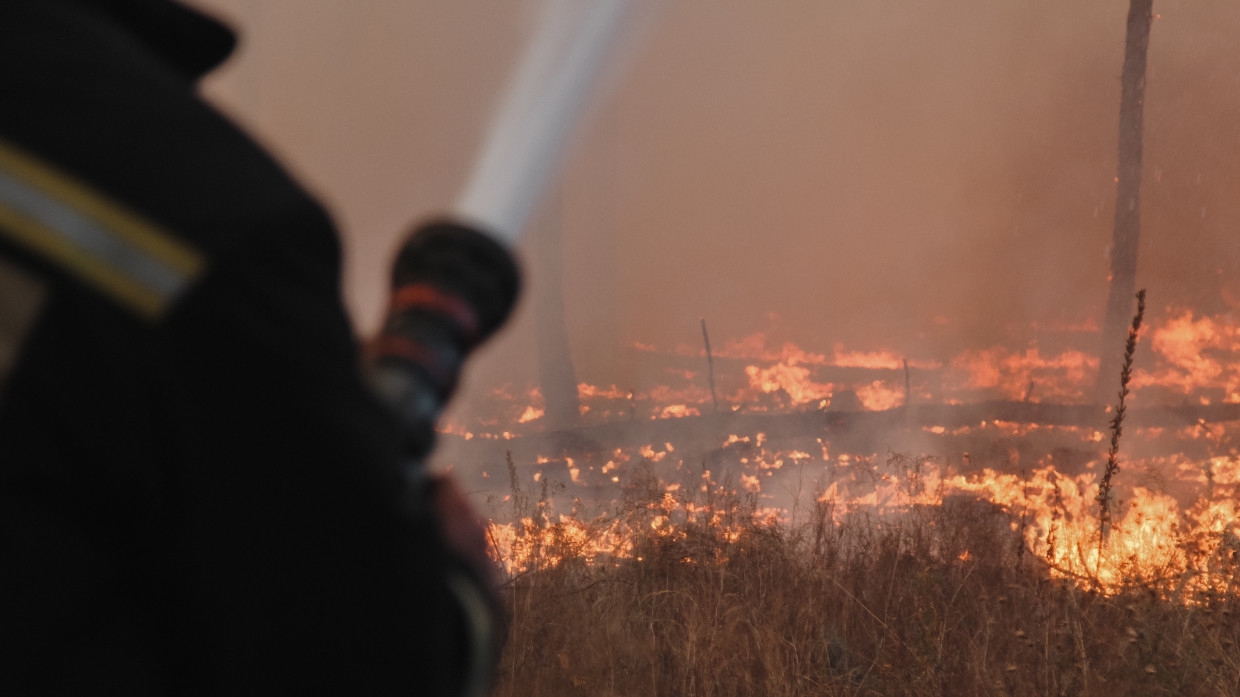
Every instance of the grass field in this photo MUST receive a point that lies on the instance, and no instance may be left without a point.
(698, 591)
(1021, 560)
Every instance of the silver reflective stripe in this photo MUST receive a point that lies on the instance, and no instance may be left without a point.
(91, 237)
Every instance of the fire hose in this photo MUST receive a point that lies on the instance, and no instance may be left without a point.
(455, 279)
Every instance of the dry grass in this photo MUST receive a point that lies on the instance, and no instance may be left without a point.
(937, 600)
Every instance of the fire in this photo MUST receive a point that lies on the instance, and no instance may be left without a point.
(792, 379)
(1027, 375)
(877, 396)
(588, 391)
(868, 359)
(677, 411)
(1176, 516)
(454, 428)
(1061, 526)
(1198, 353)
(1189, 357)
(648, 452)
(751, 483)
(1171, 542)
(531, 413)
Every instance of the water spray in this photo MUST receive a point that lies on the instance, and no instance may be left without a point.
(455, 280)
(541, 109)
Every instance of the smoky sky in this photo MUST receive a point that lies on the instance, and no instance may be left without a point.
(919, 176)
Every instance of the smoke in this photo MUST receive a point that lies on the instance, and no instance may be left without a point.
(923, 177)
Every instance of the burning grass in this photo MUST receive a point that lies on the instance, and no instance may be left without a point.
(1191, 360)
(816, 566)
(687, 584)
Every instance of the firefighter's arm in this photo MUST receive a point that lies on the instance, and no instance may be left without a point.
(309, 536)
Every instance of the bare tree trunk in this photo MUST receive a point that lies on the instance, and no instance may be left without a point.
(710, 367)
(1127, 227)
(555, 360)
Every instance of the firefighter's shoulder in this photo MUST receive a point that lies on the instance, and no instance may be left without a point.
(69, 225)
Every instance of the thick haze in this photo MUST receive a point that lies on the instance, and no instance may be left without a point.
(884, 173)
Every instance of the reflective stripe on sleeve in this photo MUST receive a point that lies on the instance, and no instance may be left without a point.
(107, 246)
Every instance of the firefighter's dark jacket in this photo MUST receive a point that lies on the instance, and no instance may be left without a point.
(197, 493)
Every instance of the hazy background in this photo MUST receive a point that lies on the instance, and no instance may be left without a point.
(920, 176)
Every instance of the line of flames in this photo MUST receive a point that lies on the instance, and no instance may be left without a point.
(1188, 544)
(1175, 542)
(1189, 358)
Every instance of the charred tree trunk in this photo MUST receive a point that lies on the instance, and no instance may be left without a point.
(710, 367)
(1126, 231)
(555, 360)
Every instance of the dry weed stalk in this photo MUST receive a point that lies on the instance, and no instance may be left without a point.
(1117, 427)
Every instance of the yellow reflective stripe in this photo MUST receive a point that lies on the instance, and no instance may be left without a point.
(106, 245)
(49, 244)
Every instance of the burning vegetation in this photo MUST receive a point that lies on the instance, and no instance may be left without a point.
(858, 522)
(1029, 517)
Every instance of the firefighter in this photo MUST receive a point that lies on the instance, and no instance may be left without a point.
(198, 493)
